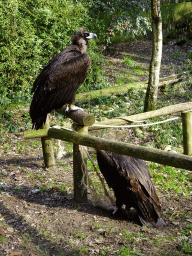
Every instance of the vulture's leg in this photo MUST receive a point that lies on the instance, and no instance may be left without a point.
(116, 206)
(70, 108)
(114, 209)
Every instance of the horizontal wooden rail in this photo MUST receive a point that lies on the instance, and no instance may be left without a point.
(146, 115)
(146, 153)
(35, 134)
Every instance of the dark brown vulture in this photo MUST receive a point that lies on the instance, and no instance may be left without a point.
(131, 182)
(58, 81)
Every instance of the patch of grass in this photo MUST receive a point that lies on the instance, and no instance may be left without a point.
(138, 70)
(27, 239)
(8, 148)
(69, 146)
(34, 142)
(50, 185)
(40, 177)
(176, 55)
(31, 175)
(16, 190)
(46, 219)
(43, 189)
(171, 179)
(187, 231)
(47, 234)
(186, 246)
(125, 251)
(66, 187)
(3, 239)
(96, 225)
(126, 79)
(82, 251)
(65, 166)
(79, 235)
(162, 136)
(21, 146)
(63, 187)
(128, 236)
(57, 238)
(129, 62)
(4, 173)
(189, 55)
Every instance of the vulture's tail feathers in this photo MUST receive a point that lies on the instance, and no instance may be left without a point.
(38, 123)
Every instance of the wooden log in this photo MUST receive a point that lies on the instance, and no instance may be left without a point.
(146, 115)
(79, 116)
(164, 81)
(79, 168)
(149, 154)
(47, 147)
(35, 134)
(187, 132)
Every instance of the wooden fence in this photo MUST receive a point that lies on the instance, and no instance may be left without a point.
(79, 136)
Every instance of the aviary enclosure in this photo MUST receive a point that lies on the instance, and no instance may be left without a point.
(83, 122)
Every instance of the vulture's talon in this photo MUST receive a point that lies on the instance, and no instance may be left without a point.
(75, 108)
(71, 108)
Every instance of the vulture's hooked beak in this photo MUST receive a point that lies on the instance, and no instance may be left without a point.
(91, 35)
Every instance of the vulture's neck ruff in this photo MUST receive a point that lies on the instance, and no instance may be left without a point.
(82, 45)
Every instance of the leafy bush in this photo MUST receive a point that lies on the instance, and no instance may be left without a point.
(32, 32)
(176, 18)
(119, 20)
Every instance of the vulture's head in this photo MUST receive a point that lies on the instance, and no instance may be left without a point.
(81, 38)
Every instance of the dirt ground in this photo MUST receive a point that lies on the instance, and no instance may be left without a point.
(38, 214)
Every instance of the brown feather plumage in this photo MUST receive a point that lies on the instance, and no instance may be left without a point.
(130, 179)
(57, 83)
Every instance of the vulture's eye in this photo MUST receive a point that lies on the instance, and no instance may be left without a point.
(86, 34)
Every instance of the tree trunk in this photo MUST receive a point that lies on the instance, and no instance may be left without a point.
(152, 89)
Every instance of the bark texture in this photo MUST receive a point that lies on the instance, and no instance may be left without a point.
(154, 70)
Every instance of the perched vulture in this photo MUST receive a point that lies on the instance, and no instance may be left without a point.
(131, 182)
(58, 81)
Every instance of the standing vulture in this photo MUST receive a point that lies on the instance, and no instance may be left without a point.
(60, 78)
(130, 179)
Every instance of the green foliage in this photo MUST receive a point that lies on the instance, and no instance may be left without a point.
(32, 32)
(114, 106)
(189, 55)
(176, 18)
(125, 251)
(116, 24)
(129, 61)
(170, 179)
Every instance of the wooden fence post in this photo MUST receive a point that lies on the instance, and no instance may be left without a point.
(47, 146)
(81, 122)
(187, 132)
(79, 167)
